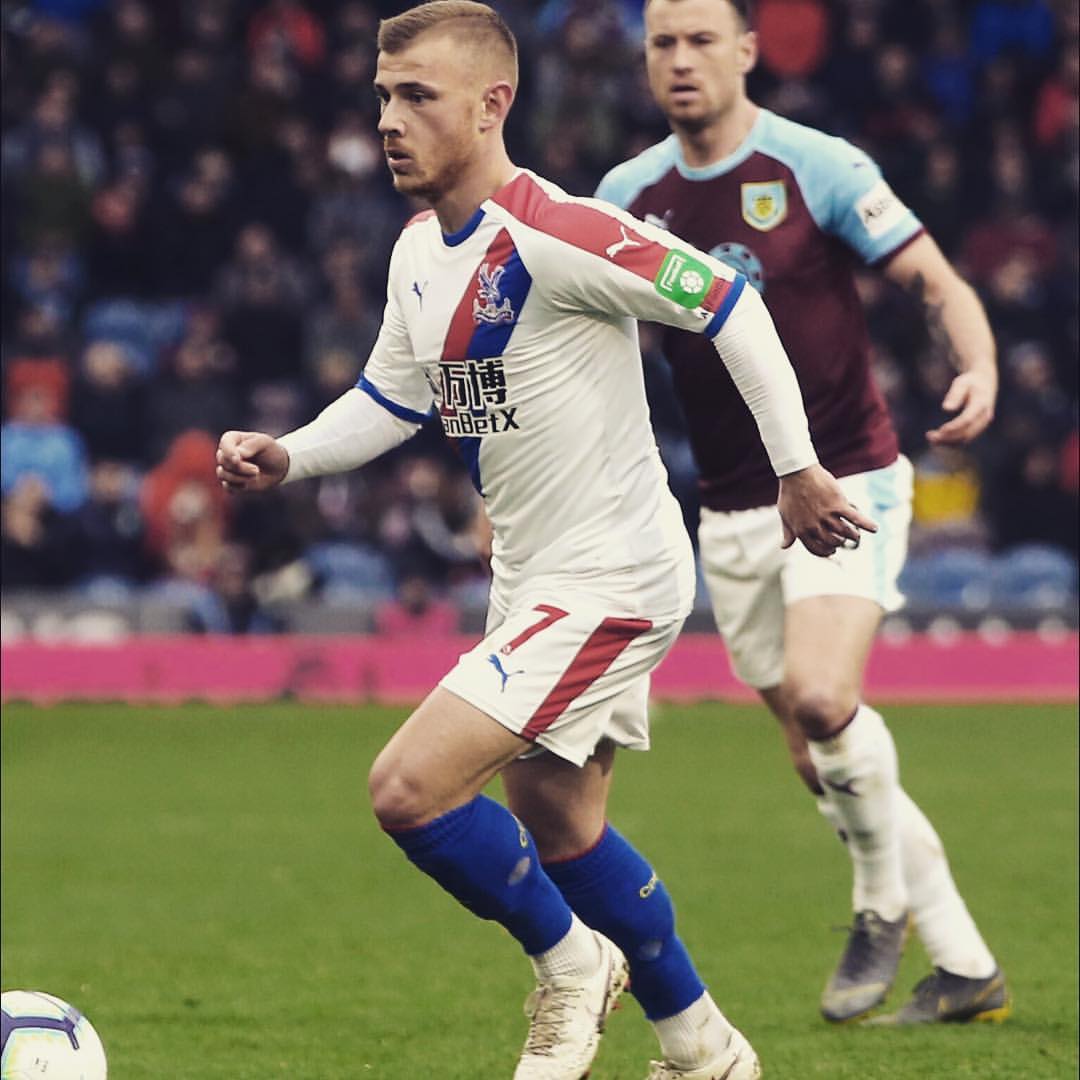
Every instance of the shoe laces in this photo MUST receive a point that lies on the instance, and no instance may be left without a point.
(548, 1008)
(659, 1070)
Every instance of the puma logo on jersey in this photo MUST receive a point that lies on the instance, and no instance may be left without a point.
(625, 242)
(419, 290)
(496, 663)
(845, 787)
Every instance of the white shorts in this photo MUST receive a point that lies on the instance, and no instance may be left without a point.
(564, 675)
(751, 579)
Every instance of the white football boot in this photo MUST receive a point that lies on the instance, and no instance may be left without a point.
(737, 1062)
(567, 1017)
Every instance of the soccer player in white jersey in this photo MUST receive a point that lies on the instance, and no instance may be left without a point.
(797, 210)
(510, 311)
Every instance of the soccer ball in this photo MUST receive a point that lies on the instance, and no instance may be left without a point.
(44, 1037)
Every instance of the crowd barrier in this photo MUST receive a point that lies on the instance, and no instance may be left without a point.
(964, 667)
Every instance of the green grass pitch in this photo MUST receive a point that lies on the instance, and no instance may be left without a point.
(209, 886)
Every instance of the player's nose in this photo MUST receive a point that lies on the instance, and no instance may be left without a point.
(390, 121)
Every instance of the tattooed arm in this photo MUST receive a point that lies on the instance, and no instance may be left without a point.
(958, 327)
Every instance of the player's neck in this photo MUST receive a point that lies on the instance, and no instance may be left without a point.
(719, 139)
(455, 208)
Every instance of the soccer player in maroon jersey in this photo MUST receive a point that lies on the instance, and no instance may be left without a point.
(796, 211)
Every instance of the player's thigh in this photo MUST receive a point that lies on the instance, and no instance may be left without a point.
(827, 640)
(557, 672)
(741, 561)
(441, 757)
(870, 570)
(834, 605)
(562, 805)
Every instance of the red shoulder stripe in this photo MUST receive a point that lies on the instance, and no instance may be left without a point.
(584, 227)
(417, 218)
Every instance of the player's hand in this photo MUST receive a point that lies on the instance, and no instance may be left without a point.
(971, 396)
(250, 461)
(815, 510)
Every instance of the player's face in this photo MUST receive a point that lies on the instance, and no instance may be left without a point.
(697, 56)
(430, 105)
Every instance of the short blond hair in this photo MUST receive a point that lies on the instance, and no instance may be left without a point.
(477, 25)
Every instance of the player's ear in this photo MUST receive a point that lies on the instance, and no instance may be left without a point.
(495, 104)
(747, 52)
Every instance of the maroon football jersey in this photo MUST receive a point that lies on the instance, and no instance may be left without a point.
(795, 211)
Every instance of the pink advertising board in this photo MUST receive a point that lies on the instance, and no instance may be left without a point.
(968, 667)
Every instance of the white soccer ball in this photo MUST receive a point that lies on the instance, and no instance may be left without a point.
(45, 1038)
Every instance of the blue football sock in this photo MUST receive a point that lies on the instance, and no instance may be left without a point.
(614, 890)
(484, 857)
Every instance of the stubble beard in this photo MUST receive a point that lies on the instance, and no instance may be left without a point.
(432, 186)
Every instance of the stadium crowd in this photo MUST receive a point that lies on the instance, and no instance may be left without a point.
(197, 223)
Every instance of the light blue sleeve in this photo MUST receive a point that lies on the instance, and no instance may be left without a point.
(622, 185)
(849, 198)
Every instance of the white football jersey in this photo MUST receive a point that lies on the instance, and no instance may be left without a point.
(520, 331)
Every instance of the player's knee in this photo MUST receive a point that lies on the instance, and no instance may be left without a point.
(398, 799)
(821, 711)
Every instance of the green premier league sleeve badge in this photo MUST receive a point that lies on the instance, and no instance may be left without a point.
(683, 279)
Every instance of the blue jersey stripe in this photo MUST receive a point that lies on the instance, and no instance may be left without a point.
(400, 411)
(491, 339)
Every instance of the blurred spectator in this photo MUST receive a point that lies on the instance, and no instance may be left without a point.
(34, 442)
(184, 508)
(288, 28)
(433, 532)
(118, 257)
(1025, 27)
(49, 276)
(52, 124)
(193, 227)
(54, 201)
(948, 496)
(1033, 502)
(949, 72)
(241, 611)
(347, 322)
(416, 612)
(195, 391)
(793, 36)
(262, 292)
(48, 376)
(39, 545)
(109, 402)
(109, 527)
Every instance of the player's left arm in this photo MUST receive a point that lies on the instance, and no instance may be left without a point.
(959, 327)
(614, 264)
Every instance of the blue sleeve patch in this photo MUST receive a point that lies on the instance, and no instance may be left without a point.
(400, 411)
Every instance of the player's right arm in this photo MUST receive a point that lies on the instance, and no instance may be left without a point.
(387, 406)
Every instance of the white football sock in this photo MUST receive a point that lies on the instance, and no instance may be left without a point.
(694, 1037)
(858, 769)
(575, 954)
(941, 917)
(832, 816)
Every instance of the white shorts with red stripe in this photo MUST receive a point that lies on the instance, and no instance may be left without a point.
(565, 675)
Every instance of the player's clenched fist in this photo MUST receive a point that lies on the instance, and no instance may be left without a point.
(250, 461)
